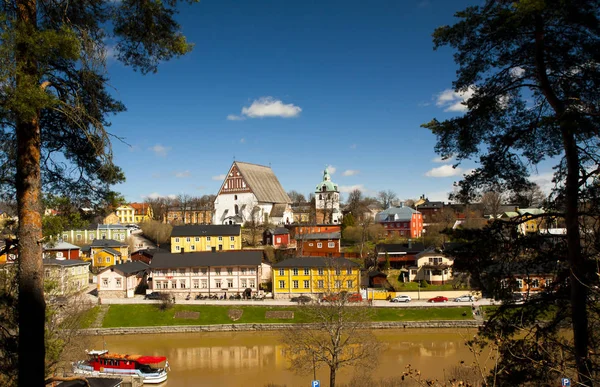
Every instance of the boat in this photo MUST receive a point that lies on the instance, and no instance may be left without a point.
(150, 369)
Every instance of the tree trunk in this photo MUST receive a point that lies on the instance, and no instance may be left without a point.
(31, 305)
(332, 371)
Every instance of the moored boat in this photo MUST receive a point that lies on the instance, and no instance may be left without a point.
(151, 369)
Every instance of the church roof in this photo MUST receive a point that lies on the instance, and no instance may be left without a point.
(263, 183)
(326, 184)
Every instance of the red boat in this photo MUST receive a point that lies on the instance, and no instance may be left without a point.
(151, 369)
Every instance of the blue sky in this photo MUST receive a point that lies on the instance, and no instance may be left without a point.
(296, 85)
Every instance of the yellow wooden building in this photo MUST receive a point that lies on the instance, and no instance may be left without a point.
(197, 238)
(315, 277)
(142, 212)
(108, 252)
(126, 214)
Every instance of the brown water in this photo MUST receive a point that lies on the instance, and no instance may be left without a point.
(254, 359)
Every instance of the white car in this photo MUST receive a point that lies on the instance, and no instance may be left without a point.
(465, 298)
(401, 299)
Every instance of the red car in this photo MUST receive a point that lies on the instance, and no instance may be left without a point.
(438, 299)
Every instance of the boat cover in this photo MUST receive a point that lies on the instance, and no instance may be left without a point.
(151, 359)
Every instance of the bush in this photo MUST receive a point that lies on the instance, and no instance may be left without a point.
(166, 301)
(424, 284)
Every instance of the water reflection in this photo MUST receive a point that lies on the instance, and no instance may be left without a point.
(257, 358)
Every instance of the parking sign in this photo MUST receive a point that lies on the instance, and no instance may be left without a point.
(566, 382)
(316, 383)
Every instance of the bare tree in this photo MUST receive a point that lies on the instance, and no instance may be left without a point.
(183, 202)
(296, 197)
(338, 337)
(253, 223)
(157, 231)
(531, 196)
(386, 198)
(491, 202)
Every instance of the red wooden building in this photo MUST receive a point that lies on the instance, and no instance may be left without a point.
(319, 243)
(62, 250)
(278, 237)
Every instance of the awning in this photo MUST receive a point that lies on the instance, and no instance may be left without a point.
(151, 359)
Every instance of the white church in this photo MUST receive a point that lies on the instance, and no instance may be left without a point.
(252, 191)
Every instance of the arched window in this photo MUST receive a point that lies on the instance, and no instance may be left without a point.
(235, 198)
(237, 210)
(320, 197)
(323, 188)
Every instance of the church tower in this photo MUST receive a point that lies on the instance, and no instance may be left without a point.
(327, 201)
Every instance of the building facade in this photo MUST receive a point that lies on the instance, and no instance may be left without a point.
(315, 276)
(403, 222)
(96, 231)
(432, 266)
(121, 281)
(252, 193)
(327, 201)
(208, 273)
(65, 276)
(142, 212)
(197, 238)
(322, 244)
(61, 250)
(108, 252)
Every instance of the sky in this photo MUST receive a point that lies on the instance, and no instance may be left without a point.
(298, 86)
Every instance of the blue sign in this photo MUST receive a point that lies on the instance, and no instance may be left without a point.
(316, 383)
(566, 382)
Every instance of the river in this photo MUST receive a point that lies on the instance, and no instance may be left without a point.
(256, 358)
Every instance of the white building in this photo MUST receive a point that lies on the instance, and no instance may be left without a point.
(252, 192)
(120, 281)
(327, 201)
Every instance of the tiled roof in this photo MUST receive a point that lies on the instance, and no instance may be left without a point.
(224, 258)
(129, 267)
(395, 214)
(150, 252)
(319, 235)
(399, 248)
(263, 183)
(60, 246)
(112, 251)
(206, 230)
(278, 210)
(107, 243)
(316, 262)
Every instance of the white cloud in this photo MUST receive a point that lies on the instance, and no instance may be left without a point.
(267, 107)
(160, 150)
(438, 196)
(544, 180)
(242, 140)
(331, 169)
(350, 188)
(172, 196)
(517, 72)
(444, 171)
(153, 195)
(452, 101)
(439, 159)
(218, 177)
(350, 172)
(182, 174)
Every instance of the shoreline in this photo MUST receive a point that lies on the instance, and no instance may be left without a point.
(267, 327)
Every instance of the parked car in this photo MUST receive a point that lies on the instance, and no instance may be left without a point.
(438, 299)
(152, 296)
(465, 298)
(401, 299)
(302, 299)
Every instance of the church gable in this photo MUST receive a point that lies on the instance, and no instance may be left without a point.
(234, 183)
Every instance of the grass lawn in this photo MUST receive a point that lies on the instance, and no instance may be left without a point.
(149, 315)
(87, 318)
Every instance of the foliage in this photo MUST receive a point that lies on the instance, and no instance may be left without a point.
(530, 70)
(386, 263)
(158, 232)
(348, 221)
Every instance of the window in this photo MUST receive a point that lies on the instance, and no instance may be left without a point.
(203, 271)
(331, 244)
(220, 238)
(295, 284)
(181, 271)
(295, 271)
(251, 283)
(118, 282)
(320, 271)
(196, 284)
(520, 283)
(320, 284)
(208, 248)
(204, 284)
(177, 248)
(349, 284)
(173, 284)
(244, 283)
(176, 239)
(230, 283)
(192, 247)
(252, 270)
(217, 271)
(338, 284)
(232, 246)
(78, 237)
(306, 284)
(208, 239)
(197, 239)
(232, 239)
(107, 259)
(281, 284)
(306, 271)
(535, 283)
(243, 270)
(319, 245)
(349, 270)
(65, 237)
(338, 271)
(217, 283)
(195, 271)
(187, 239)
(182, 284)
(278, 240)
(311, 244)
(281, 272)
(230, 270)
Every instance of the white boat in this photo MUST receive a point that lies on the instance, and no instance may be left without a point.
(150, 369)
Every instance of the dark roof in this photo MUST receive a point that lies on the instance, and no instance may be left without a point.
(150, 252)
(431, 205)
(86, 248)
(107, 243)
(278, 210)
(277, 231)
(112, 251)
(224, 258)
(400, 247)
(64, 262)
(94, 382)
(129, 267)
(315, 262)
(193, 230)
(319, 235)
(430, 250)
(376, 274)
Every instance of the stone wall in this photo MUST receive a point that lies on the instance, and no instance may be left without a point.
(268, 327)
(111, 294)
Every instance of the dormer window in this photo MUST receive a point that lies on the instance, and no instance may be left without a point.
(323, 188)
